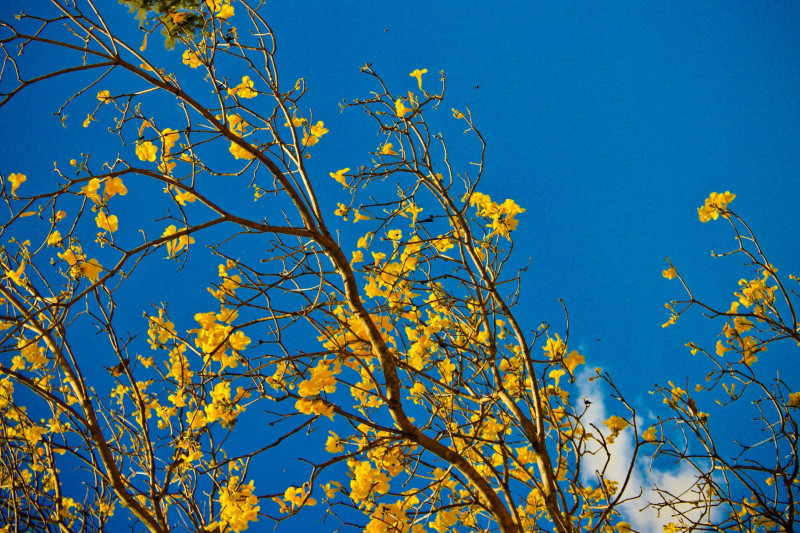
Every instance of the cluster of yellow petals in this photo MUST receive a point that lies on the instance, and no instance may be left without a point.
(79, 266)
(113, 187)
(216, 335)
(221, 8)
(503, 215)
(246, 89)
(191, 58)
(312, 134)
(239, 126)
(16, 180)
(295, 497)
(715, 205)
(174, 246)
(238, 506)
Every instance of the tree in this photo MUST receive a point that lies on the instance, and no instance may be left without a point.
(442, 409)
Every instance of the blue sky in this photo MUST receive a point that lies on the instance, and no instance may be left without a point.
(609, 122)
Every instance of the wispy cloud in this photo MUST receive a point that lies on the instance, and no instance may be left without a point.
(644, 476)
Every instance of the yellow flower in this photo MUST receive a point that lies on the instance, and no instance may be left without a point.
(89, 119)
(113, 187)
(457, 113)
(341, 210)
(104, 96)
(318, 130)
(90, 190)
(54, 239)
(339, 176)
(176, 245)
(309, 140)
(794, 399)
(386, 149)
(418, 74)
(244, 89)
(191, 58)
(334, 443)
(400, 107)
(146, 151)
(394, 234)
(223, 9)
(573, 360)
(650, 434)
(169, 138)
(17, 275)
(239, 152)
(294, 121)
(238, 505)
(714, 205)
(107, 223)
(669, 273)
(360, 216)
(91, 269)
(16, 180)
(616, 424)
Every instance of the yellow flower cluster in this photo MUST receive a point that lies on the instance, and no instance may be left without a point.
(503, 215)
(174, 246)
(715, 205)
(238, 506)
(113, 187)
(79, 266)
(244, 89)
(216, 335)
(239, 126)
(366, 481)
(312, 134)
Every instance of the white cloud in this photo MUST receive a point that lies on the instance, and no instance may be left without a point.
(643, 477)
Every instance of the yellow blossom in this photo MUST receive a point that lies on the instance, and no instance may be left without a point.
(106, 223)
(104, 96)
(238, 504)
(239, 152)
(339, 176)
(334, 443)
(54, 239)
(114, 186)
(394, 234)
(16, 180)
(400, 108)
(360, 216)
(714, 205)
(176, 245)
(318, 130)
(146, 151)
(418, 74)
(386, 149)
(244, 89)
(191, 58)
(616, 424)
(17, 275)
(90, 190)
(794, 400)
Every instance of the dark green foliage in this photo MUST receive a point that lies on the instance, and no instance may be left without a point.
(176, 17)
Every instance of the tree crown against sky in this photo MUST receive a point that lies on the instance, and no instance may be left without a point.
(396, 357)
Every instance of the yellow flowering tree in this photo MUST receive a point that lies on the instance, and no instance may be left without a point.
(439, 408)
(755, 485)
